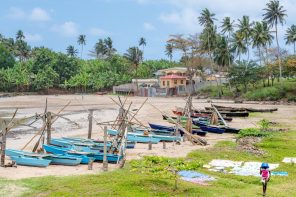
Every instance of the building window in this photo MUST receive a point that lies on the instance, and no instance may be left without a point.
(182, 82)
(168, 83)
(175, 82)
(163, 83)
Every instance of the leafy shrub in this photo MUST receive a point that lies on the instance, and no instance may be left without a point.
(252, 132)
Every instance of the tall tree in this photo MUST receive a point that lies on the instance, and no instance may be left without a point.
(238, 45)
(71, 51)
(135, 56)
(81, 41)
(222, 56)
(245, 28)
(258, 38)
(227, 27)
(290, 36)
(169, 51)
(142, 42)
(109, 47)
(274, 15)
(20, 35)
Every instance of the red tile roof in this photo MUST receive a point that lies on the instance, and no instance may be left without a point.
(173, 77)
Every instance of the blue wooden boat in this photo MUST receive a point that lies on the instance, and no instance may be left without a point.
(30, 161)
(58, 159)
(66, 160)
(99, 143)
(172, 129)
(161, 127)
(97, 156)
(167, 138)
(212, 129)
(64, 151)
(135, 138)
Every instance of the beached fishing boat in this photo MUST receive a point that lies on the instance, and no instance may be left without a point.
(202, 115)
(235, 109)
(212, 129)
(172, 129)
(99, 143)
(64, 151)
(55, 159)
(136, 138)
(229, 114)
(30, 161)
(97, 156)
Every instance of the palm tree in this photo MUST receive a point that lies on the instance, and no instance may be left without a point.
(81, 41)
(290, 36)
(169, 51)
(221, 54)
(71, 51)
(245, 28)
(238, 45)
(20, 35)
(207, 19)
(227, 27)
(274, 15)
(142, 42)
(108, 45)
(135, 56)
(258, 37)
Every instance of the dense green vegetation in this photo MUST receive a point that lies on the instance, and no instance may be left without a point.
(142, 178)
(256, 92)
(40, 68)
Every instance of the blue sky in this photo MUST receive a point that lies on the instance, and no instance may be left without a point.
(57, 23)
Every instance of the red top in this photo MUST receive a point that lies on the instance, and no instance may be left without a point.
(265, 173)
(173, 77)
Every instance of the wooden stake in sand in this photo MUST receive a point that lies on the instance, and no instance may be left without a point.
(105, 162)
(3, 146)
(48, 126)
(90, 123)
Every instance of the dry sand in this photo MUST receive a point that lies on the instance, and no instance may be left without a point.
(107, 110)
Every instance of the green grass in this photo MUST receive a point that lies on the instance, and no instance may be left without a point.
(127, 182)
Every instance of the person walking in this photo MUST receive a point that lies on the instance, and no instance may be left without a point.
(265, 176)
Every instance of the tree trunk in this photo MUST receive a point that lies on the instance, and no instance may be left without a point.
(278, 51)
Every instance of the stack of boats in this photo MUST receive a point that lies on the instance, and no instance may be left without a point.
(75, 151)
(66, 151)
(201, 119)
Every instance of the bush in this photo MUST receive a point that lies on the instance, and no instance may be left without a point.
(252, 132)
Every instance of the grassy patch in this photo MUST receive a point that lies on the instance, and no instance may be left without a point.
(142, 182)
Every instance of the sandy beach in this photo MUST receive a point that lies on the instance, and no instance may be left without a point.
(107, 110)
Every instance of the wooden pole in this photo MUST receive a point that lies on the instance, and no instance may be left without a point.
(218, 113)
(105, 162)
(48, 118)
(150, 144)
(90, 123)
(3, 146)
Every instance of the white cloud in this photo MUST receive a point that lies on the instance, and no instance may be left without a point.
(148, 26)
(68, 29)
(185, 19)
(184, 13)
(95, 31)
(33, 37)
(38, 14)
